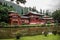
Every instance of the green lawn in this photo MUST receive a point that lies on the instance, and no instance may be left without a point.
(38, 37)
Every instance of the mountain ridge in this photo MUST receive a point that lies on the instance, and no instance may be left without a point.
(17, 7)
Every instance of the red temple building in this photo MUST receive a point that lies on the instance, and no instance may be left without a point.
(25, 20)
(28, 18)
(47, 18)
(34, 18)
(14, 18)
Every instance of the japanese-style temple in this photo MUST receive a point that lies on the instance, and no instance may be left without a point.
(28, 18)
(14, 18)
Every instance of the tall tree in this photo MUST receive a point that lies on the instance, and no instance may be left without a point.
(43, 11)
(4, 13)
(29, 9)
(21, 1)
(47, 12)
(40, 11)
(12, 0)
(56, 15)
(34, 9)
(0, 3)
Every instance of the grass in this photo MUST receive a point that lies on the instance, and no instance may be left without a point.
(41, 37)
(38, 37)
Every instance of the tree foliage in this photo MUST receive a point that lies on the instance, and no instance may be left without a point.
(4, 12)
(56, 15)
(40, 11)
(47, 12)
(21, 1)
(33, 9)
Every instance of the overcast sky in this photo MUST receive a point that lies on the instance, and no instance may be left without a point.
(43, 4)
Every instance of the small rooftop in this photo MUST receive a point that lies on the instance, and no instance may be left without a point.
(13, 11)
(24, 17)
(33, 13)
(47, 18)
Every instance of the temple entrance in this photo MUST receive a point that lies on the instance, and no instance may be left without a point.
(15, 23)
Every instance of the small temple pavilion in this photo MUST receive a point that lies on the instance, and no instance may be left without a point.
(28, 18)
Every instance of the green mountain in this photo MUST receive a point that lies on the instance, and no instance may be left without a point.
(19, 9)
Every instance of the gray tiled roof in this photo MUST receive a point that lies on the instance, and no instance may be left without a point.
(47, 18)
(13, 11)
(33, 13)
(24, 17)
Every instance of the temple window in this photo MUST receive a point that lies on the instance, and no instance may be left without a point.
(14, 16)
(15, 22)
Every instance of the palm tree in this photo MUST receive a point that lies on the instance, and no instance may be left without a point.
(21, 1)
(40, 11)
(12, 0)
(17, 2)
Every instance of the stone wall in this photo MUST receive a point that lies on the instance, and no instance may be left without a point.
(12, 32)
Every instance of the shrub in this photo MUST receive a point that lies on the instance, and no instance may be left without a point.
(48, 25)
(56, 24)
(54, 32)
(45, 33)
(43, 25)
(24, 24)
(3, 24)
(16, 26)
(58, 33)
(18, 36)
(48, 22)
